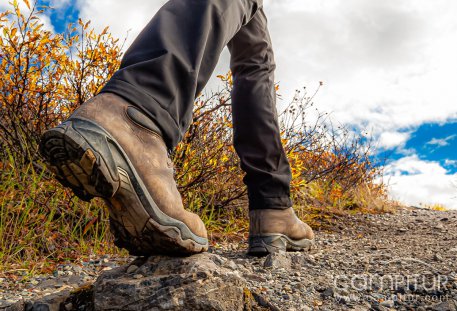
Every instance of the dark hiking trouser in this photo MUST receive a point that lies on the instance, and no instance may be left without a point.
(172, 59)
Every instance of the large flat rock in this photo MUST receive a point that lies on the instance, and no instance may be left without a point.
(198, 282)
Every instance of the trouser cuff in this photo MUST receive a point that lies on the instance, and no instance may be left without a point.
(257, 202)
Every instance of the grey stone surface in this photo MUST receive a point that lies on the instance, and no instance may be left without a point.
(449, 305)
(198, 282)
(370, 247)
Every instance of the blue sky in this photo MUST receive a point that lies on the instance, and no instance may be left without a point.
(431, 142)
(435, 142)
(63, 12)
(388, 67)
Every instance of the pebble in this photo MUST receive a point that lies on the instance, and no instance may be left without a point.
(255, 277)
(132, 268)
(231, 265)
(388, 303)
(437, 257)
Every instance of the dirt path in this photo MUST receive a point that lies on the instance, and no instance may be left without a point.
(405, 261)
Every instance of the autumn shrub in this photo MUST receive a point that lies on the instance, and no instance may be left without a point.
(45, 76)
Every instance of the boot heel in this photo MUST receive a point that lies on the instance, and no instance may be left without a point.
(263, 245)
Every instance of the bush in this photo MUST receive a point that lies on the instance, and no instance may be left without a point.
(45, 76)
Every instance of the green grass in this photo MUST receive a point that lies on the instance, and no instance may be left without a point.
(42, 224)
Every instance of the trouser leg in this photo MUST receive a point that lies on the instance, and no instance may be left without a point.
(255, 121)
(172, 59)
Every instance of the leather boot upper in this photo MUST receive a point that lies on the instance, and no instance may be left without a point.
(147, 152)
(278, 221)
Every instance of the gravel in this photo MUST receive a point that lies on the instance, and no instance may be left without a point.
(401, 261)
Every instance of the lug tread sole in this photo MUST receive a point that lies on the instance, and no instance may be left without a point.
(263, 245)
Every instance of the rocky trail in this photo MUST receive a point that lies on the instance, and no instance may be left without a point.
(401, 261)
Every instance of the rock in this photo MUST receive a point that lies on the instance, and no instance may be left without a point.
(388, 303)
(80, 299)
(48, 303)
(137, 276)
(444, 306)
(278, 260)
(437, 257)
(12, 306)
(131, 269)
(231, 265)
(328, 292)
(255, 277)
(198, 282)
(287, 261)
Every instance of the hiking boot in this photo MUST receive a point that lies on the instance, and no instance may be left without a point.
(110, 149)
(275, 230)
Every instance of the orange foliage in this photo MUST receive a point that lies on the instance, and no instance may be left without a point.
(45, 76)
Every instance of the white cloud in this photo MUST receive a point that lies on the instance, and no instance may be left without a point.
(417, 182)
(127, 18)
(47, 24)
(389, 140)
(387, 65)
(123, 17)
(441, 142)
(58, 4)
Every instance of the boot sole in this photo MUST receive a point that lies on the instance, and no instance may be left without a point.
(273, 243)
(87, 159)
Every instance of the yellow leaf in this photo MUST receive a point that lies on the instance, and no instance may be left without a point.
(27, 3)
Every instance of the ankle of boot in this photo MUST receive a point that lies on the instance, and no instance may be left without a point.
(259, 202)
